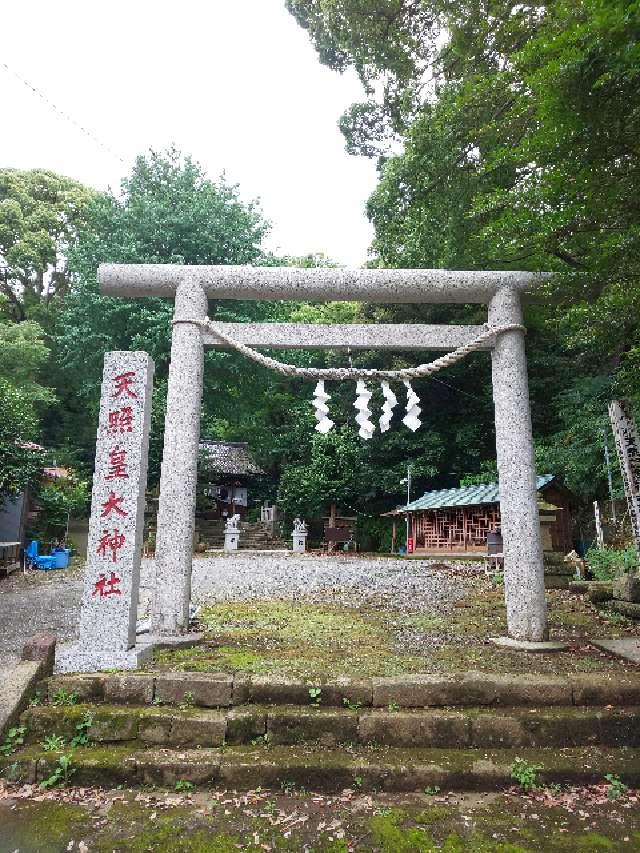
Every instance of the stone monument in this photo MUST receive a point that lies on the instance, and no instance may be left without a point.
(232, 533)
(299, 536)
(112, 573)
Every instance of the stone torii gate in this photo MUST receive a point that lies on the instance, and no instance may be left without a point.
(192, 285)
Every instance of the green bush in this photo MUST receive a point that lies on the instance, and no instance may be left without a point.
(374, 534)
(607, 563)
(57, 499)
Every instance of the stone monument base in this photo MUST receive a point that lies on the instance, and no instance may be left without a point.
(630, 609)
(72, 657)
(557, 573)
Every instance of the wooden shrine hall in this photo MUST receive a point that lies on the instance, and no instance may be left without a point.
(457, 522)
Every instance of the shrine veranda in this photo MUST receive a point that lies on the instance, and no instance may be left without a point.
(108, 614)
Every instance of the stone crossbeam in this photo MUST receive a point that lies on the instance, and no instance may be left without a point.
(343, 336)
(318, 284)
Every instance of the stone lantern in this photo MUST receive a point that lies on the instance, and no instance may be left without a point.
(232, 533)
(299, 536)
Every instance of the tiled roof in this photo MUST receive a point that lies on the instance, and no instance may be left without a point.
(228, 457)
(485, 493)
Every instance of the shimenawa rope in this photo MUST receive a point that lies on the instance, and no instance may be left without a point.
(342, 373)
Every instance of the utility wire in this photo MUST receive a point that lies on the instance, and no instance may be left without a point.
(459, 390)
(62, 113)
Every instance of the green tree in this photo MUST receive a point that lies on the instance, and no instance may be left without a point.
(169, 211)
(519, 125)
(333, 473)
(40, 214)
(58, 499)
(22, 356)
(20, 460)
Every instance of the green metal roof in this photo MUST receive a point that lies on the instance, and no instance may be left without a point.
(485, 493)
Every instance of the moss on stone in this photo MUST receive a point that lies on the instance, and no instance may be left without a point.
(45, 827)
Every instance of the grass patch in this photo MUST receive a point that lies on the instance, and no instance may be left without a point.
(323, 641)
(300, 640)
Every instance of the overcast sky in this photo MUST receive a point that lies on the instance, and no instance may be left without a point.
(234, 83)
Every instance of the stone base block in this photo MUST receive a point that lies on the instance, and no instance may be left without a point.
(627, 648)
(555, 581)
(73, 657)
(626, 608)
(556, 559)
(527, 646)
(627, 588)
(600, 592)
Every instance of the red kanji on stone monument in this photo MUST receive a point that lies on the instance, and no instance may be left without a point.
(110, 542)
(117, 464)
(112, 504)
(104, 586)
(123, 384)
(121, 420)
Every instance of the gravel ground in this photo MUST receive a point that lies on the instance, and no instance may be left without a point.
(39, 601)
(407, 585)
(34, 603)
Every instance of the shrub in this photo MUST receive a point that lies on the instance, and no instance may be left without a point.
(525, 774)
(57, 500)
(607, 563)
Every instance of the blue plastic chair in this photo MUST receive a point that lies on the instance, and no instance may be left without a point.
(35, 560)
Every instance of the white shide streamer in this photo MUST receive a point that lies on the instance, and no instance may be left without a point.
(320, 400)
(363, 418)
(412, 418)
(390, 401)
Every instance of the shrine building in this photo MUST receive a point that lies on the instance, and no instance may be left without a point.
(226, 470)
(457, 522)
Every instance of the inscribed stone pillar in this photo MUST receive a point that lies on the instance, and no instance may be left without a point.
(112, 572)
(178, 476)
(522, 544)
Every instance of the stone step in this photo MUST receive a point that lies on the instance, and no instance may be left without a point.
(290, 725)
(422, 690)
(321, 769)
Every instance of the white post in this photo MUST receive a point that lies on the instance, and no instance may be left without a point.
(176, 511)
(599, 533)
(522, 544)
(299, 536)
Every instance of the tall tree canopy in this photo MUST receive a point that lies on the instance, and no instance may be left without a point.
(507, 137)
(40, 214)
(168, 211)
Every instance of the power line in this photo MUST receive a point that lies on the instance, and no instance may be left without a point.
(65, 116)
(459, 390)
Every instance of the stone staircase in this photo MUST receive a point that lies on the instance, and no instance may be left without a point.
(406, 733)
(254, 536)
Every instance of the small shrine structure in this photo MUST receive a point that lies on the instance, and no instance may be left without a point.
(225, 473)
(457, 522)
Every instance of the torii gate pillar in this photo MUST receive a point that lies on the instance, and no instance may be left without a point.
(179, 471)
(524, 567)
